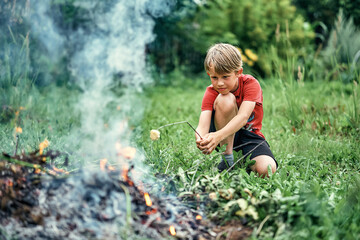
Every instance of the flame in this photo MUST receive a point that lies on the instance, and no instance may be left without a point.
(43, 145)
(124, 175)
(9, 182)
(58, 170)
(198, 217)
(111, 168)
(18, 130)
(129, 152)
(103, 164)
(172, 230)
(126, 152)
(54, 171)
(147, 200)
(152, 211)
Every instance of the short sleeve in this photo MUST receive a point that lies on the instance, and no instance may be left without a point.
(209, 99)
(252, 90)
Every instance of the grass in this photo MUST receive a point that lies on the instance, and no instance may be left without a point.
(311, 194)
(312, 127)
(45, 115)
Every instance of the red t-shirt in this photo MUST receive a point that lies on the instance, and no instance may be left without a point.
(249, 90)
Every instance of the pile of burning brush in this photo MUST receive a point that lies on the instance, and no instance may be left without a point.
(40, 201)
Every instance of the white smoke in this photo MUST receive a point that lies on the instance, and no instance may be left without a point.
(44, 29)
(111, 52)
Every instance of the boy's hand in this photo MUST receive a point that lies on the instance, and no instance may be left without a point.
(208, 143)
(198, 141)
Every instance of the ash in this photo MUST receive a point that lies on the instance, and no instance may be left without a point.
(96, 205)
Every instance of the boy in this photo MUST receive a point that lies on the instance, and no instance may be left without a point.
(232, 112)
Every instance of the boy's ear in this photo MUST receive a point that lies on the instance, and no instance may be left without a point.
(240, 71)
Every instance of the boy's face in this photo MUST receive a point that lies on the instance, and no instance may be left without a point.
(224, 83)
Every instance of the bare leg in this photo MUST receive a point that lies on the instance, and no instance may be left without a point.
(262, 163)
(225, 110)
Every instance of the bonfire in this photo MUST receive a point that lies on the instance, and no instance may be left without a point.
(39, 201)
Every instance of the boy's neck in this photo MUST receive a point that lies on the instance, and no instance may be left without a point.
(237, 86)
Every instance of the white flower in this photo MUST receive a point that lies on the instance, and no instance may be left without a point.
(154, 135)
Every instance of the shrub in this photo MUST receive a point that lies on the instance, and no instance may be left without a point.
(249, 24)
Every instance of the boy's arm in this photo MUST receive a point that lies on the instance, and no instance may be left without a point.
(203, 127)
(204, 123)
(213, 139)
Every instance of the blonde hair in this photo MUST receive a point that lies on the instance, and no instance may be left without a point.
(224, 58)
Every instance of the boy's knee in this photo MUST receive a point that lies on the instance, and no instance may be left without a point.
(225, 103)
(262, 164)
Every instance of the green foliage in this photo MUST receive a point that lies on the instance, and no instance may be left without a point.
(325, 11)
(171, 48)
(248, 24)
(210, 24)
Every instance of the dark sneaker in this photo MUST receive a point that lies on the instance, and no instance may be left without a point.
(223, 166)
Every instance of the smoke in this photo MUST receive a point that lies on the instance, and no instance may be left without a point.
(107, 53)
(107, 61)
(43, 27)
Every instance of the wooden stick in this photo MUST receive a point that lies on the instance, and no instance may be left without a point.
(170, 124)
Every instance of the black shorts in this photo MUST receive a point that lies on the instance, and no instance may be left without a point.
(248, 142)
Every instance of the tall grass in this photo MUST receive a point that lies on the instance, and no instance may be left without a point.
(41, 112)
(343, 49)
(16, 88)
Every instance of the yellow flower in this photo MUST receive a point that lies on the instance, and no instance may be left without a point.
(154, 135)
(251, 55)
(250, 63)
(244, 58)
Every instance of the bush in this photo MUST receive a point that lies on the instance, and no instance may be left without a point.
(249, 24)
